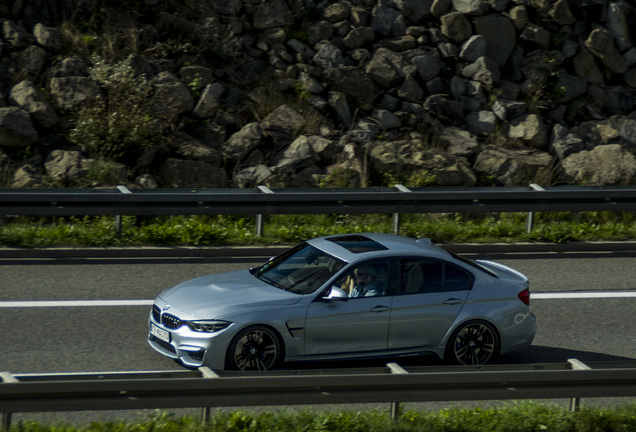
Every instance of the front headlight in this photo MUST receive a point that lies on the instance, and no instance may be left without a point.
(208, 326)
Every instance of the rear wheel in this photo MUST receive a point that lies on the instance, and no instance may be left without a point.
(474, 343)
(255, 348)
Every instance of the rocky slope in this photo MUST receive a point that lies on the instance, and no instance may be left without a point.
(298, 93)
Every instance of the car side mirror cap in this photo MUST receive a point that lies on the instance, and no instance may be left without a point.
(336, 294)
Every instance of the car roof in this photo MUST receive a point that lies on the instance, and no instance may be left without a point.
(351, 247)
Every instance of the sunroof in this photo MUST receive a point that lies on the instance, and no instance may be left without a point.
(357, 243)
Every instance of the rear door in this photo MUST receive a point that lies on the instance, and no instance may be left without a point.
(431, 295)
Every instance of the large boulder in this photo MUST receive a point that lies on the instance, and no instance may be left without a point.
(27, 97)
(607, 164)
(16, 128)
(514, 167)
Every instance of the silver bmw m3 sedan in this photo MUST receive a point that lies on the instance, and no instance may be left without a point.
(346, 297)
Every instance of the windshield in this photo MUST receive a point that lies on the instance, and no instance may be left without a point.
(301, 270)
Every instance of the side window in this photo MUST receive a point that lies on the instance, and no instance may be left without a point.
(419, 276)
(456, 279)
(369, 279)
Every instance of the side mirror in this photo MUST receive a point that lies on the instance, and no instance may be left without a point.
(336, 294)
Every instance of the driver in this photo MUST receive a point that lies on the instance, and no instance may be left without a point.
(365, 282)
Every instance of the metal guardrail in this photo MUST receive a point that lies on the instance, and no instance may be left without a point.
(264, 201)
(205, 388)
(121, 201)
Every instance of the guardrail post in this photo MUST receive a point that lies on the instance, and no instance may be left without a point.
(396, 216)
(259, 217)
(123, 189)
(6, 377)
(395, 406)
(576, 364)
(206, 373)
(530, 217)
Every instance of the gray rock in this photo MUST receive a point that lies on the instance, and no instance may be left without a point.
(27, 97)
(618, 16)
(171, 96)
(353, 82)
(483, 70)
(481, 122)
(473, 7)
(388, 21)
(27, 177)
(322, 30)
(601, 43)
(241, 143)
(529, 128)
(428, 66)
(604, 165)
(537, 35)
(563, 143)
(506, 110)
(358, 37)
(338, 102)
(252, 177)
(570, 87)
(501, 35)
(282, 125)
(299, 154)
(512, 167)
(65, 165)
(187, 147)
(271, 14)
(472, 49)
(16, 129)
(71, 93)
(328, 56)
(445, 109)
(414, 10)
(586, 68)
(387, 68)
(48, 38)
(458, 142)
(209, 102)
(193, 174)
(456, 27)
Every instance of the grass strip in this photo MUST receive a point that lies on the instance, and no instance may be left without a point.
(90, 231)
(511, 417)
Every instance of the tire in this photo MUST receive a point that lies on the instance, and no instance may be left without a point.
(256, 348)
(474, 343)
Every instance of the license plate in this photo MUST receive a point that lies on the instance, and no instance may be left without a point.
(159, 333)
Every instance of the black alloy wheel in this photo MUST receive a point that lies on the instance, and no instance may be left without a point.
(254, 349)
(475, 343)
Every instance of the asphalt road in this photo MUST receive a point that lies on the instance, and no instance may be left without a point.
(83, 338)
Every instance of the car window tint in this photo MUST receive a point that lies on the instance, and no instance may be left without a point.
(456, 279)
(421, 276)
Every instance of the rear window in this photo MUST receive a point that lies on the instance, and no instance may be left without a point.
(476, 265)
(358, 244)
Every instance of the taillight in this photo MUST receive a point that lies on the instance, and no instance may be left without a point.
(524, 296)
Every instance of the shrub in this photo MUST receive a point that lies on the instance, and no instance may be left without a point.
(122, 122)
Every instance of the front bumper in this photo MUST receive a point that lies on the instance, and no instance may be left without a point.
(170, 336)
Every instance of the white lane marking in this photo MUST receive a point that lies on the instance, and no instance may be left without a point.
(113, 303)
(74, 303)
(582, 295)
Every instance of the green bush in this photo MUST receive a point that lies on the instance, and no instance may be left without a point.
(122, 122)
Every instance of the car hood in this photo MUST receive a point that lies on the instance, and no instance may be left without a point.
(222, 294)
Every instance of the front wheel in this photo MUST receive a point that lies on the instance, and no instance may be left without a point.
(474, 343)
(254, 349)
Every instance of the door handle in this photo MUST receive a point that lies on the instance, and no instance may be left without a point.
(380, 309)
(452, 301)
